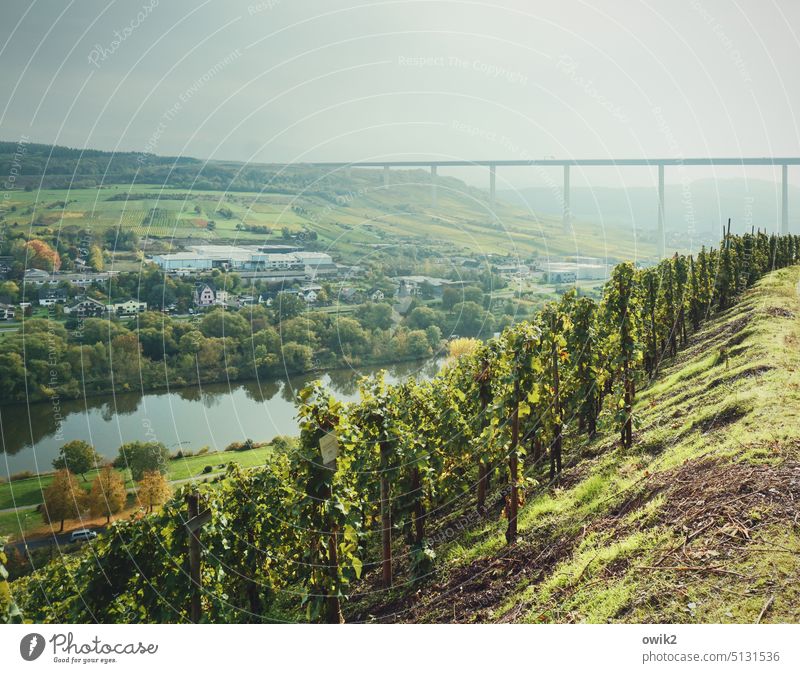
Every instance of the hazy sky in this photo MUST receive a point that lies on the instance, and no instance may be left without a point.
(306, 80)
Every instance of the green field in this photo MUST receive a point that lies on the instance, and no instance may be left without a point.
(352, 223)
(28, 492)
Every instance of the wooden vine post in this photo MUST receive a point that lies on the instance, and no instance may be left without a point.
(484, 393)
(386, 515)
(329, 450)
(513, 469)
(555, 450)
(195, 521)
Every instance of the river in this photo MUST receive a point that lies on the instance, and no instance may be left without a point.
(213, 415)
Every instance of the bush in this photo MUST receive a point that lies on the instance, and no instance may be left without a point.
(207, 469)
(203, 451)
(19, 476)
(182, 454)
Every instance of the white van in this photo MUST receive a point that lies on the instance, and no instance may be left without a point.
(81, 535)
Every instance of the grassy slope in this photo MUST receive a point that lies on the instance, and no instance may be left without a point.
(698, 522)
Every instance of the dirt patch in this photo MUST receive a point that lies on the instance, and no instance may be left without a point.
(778, 312)
(726, 417)
(750, 373)
(715, 506)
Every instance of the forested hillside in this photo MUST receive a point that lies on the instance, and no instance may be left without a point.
(607, 460)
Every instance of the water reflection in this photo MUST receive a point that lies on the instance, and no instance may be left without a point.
(211, 415)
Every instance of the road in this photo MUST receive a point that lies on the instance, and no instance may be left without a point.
(61, 539)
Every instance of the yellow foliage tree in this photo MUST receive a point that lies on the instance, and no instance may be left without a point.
(462, 346)
(108, 494)
(63, 499)
(153, 490)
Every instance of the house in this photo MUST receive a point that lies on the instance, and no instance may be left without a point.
(6, 312)
(128, 307)
(36, 276)
(203, 294)
(560, 276)
(52, 297)
(222, 297)
(376, 294)
(85, 307)
(309, 293)
(351, 295)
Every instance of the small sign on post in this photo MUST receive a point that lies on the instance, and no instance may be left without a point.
(329, 448)
(197, 522)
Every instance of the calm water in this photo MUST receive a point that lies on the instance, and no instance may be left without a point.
(212, 415)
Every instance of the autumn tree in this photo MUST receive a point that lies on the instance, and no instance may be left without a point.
(96, 260)
(153, 490)
(41, 256)
(63, 499)
(76, 456)
(108, 494)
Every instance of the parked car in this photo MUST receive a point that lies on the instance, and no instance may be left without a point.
(82, 535)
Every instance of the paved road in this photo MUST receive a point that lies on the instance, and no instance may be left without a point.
(57, 539)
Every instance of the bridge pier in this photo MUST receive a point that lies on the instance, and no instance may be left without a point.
(492, 182)
(660, 243)
(433, 187)
(567, 216)
(386, 175)
(784, 199)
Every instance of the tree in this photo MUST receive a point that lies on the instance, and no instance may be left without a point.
(153, 490)
(77, 456)
(141, 457)
(41, 256)
(9, 292)
(96, 258)
(289, 305)
(63, 499)
(375, 315)
(108, 494)
(221, 323)
(472, 319)
(421, 317)
(297, 357)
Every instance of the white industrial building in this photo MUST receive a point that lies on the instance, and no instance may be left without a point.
(247, 259)
(569, 272)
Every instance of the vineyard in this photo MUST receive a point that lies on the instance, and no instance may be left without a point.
(356, 520)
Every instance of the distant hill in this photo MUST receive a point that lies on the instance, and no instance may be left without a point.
(174, 198)
(706, 204)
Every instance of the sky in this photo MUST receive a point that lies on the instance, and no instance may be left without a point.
(338, 80)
